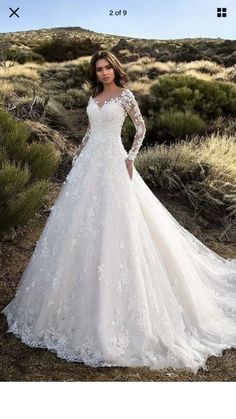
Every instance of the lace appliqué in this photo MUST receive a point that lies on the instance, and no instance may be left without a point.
(132, 108)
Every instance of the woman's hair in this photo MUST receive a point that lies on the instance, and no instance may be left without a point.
(120, 75)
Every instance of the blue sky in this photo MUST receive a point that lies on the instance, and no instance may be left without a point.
(150, 19)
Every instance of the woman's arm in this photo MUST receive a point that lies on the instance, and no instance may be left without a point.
(133, 111)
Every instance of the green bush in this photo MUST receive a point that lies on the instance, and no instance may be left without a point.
(61, 48)
(210, 99)
(53, 86)
(24, 87)
(187, 53)
(22, 57)
(72, 99)
(62, 75)
(136, 72)
(55, 115)
(42, 160)
(228, 46)
(13, 135)
(79, 75)
(31, 56)
(13, 179)
(21, 207)
(172, 125)
(24, 169)
(68, 77)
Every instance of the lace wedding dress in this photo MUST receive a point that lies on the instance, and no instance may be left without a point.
(114, 279)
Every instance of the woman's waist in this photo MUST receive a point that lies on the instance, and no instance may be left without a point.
(105, 138)
(104, 144)
(105, 132)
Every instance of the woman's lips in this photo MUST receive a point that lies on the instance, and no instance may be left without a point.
(105, 78)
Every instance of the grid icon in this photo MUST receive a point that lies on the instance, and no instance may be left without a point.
(221, 11)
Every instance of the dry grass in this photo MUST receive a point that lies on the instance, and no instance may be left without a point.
(135, 67)
(201, 69)
(202, 170)
(137, 70)
(55, 66)
(163, 68)
(198, 65)
(218, 151)
(198, 75)
(28, 71)
(5, 90)
(141, 86)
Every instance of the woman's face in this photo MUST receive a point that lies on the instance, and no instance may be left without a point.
(104, 71)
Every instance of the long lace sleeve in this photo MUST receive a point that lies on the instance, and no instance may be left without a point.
(133, 111)
(82, 144)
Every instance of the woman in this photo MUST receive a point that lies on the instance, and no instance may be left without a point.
(114, 279)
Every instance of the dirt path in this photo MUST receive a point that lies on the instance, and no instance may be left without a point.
(21, 363)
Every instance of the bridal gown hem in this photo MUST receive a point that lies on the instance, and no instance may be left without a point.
(114, 279)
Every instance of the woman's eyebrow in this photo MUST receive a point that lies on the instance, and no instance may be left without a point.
(97, 68)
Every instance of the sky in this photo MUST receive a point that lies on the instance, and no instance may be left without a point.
(149, 19)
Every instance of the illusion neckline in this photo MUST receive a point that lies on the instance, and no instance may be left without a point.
(108, 100)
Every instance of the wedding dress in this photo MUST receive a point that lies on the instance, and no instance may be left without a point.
(114, 279)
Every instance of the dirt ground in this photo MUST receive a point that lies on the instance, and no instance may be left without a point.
(18, 362)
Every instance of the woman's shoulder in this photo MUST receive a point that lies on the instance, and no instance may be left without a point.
(125, 89)
(127, 93)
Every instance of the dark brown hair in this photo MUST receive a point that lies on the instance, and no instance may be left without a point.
(120, 75)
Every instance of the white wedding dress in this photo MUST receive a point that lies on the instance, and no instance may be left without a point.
(114, 279)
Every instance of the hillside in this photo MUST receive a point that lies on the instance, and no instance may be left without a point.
(221, 51)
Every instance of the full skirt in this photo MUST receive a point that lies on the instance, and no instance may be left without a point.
(115, 280)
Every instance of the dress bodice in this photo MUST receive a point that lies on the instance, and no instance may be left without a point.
(106, 120)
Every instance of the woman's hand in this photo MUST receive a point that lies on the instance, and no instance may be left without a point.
(129, 165)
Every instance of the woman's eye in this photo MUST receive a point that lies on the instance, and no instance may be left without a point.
(99, 69)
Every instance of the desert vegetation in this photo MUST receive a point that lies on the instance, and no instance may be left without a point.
(187, 95)
(186, 92)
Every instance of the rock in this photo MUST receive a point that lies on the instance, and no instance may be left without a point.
(42, 133)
